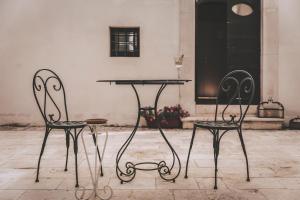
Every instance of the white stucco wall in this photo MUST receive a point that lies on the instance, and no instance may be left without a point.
(269, 50)
(289, 56)
(72, 38)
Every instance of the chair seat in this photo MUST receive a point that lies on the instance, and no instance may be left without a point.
(96, 121)
(217, 125)
(67, 124)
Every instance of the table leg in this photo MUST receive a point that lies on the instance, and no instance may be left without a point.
(130, 172)
(164, 170)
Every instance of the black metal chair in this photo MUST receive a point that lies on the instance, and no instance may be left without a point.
(235, 89)
(50, 97)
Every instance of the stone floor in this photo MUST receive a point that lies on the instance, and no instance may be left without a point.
(274, 158)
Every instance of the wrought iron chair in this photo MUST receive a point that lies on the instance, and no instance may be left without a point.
(50, 97)
(235, 89)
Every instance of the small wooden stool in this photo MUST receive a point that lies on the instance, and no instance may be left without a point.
(92, 124)
(96, 121)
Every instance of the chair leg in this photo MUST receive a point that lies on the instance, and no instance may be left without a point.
(191, 145)
(68, 145)
(216, 144)
(99, 156)
(76, 163)
(76, 152)
(244, 150)
(41, 153)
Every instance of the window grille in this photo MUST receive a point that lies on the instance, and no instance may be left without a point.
(124, 42)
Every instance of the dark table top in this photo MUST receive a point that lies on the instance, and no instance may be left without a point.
(147, 81)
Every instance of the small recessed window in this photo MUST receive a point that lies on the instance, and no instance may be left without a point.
(124, 42)
(242, 9)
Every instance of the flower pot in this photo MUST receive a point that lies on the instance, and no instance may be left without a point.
(165, 123)
(170, 116)
(171, 123)
(178, 66)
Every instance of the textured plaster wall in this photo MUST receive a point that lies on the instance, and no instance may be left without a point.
(72, 38)
(289, 55)
(187, 47)
(269, 50)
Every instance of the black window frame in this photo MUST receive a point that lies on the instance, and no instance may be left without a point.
(115, 44)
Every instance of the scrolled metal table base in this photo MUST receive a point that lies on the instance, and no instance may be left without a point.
(166, 171)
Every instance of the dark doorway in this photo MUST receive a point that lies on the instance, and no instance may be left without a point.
(225, 41)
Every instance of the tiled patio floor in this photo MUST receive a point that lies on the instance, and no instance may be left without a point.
(274, 166)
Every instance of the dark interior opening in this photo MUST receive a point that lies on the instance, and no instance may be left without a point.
(225, 41)
(211, 46)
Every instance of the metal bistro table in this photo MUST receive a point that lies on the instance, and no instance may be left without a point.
(166, 171)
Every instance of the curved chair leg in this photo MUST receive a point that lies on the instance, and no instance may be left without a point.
(244, 150)
(216, 144)
(68, 145)
(191, 145)
(41, 153)
(99, 156)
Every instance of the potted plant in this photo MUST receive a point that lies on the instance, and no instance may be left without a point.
(149, 116)
(169, 117)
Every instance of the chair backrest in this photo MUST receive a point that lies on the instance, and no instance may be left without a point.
(235, 93)
(50, 96)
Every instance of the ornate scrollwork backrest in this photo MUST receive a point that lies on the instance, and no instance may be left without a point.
(47, 88)
(237, 90)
